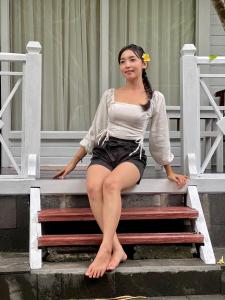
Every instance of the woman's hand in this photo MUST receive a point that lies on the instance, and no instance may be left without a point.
(72, 163)
(179, 179)
(66, 170)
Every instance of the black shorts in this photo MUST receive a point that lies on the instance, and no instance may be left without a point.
(116, 151)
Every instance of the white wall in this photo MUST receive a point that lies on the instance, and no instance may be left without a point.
(217, 47)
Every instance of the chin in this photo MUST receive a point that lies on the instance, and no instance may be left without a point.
(130, 77)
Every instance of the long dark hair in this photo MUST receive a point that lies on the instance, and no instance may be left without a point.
(138, 51)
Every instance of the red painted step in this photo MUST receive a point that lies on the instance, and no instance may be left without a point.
(125, 238)
(137, 213)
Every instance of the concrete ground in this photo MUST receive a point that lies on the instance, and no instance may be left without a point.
(19, 262)
(70, 274)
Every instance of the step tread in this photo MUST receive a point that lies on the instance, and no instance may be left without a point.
(137, 213)
(125, 238)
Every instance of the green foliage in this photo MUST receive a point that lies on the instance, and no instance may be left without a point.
(212, 57)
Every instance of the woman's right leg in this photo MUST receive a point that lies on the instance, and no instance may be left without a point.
(96, 174)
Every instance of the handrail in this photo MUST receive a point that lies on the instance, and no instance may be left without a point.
(205, 60)
(10, 57)
(191, 82)
(30, 78)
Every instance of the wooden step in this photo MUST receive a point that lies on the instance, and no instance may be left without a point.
(125, 238)
(137, 213)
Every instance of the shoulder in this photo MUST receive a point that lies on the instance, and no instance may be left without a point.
(158, 97)
(157, 102)
(108, 95)
(108, 92)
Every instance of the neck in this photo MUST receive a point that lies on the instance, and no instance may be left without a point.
(135, 84)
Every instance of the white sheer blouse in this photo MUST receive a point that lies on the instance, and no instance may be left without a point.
(129, 121)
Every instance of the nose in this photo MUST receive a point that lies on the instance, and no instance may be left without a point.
(127, 63)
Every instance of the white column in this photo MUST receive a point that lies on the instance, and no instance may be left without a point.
(202, 27)
(104, 45)
(5, 80)
(190, 105)
(193, 201)
(31, 101)
(35, 254)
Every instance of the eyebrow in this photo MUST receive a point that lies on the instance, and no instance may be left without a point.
(132, 56)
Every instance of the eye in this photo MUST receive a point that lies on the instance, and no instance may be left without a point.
(132, 59)
(122, 62)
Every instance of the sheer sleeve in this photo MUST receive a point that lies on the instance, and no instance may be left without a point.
(159, 143)
(99, 123)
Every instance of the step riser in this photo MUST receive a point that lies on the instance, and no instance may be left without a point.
(132, 200)
(134, 252)
(76, 286)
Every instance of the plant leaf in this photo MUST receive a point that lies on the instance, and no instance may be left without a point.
(212, 57)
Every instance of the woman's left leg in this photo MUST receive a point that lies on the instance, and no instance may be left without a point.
(122, 177)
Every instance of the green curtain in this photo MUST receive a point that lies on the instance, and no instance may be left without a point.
(68, 31)
(161, 27)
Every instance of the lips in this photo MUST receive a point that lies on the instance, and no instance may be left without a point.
(129, 72)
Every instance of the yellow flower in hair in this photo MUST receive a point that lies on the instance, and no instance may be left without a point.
(146, 57)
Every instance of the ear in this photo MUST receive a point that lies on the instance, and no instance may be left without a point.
(145, 65)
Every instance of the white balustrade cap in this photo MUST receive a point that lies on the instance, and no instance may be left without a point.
(33, 47)
(188, 49)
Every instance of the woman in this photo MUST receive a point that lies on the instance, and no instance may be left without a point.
(115, 140)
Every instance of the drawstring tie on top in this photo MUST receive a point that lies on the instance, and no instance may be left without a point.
(105, 134)
(139, 141)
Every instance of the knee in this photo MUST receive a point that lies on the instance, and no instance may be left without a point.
(111, 184)
(94, 190)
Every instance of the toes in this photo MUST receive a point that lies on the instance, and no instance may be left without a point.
(99, 273)
(96, 274)
(89, 272)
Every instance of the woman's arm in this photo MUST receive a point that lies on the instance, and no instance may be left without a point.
(99, 123)
(81, 152)
(88, 142)
(159, 143)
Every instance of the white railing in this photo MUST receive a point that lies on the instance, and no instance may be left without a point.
(191, 83)
(30, 78)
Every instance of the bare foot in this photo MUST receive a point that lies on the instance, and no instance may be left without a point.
(98, 267)
(118, 256)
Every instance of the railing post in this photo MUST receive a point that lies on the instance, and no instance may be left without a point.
(5, 80)
(190, 106)
(31, 107)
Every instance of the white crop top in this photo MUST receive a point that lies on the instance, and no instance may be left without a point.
(126, 121)
(129, 121)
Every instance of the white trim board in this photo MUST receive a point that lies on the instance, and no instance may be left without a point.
(212, 184)
(78, 186)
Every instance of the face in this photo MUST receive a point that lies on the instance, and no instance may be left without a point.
(131, 66)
